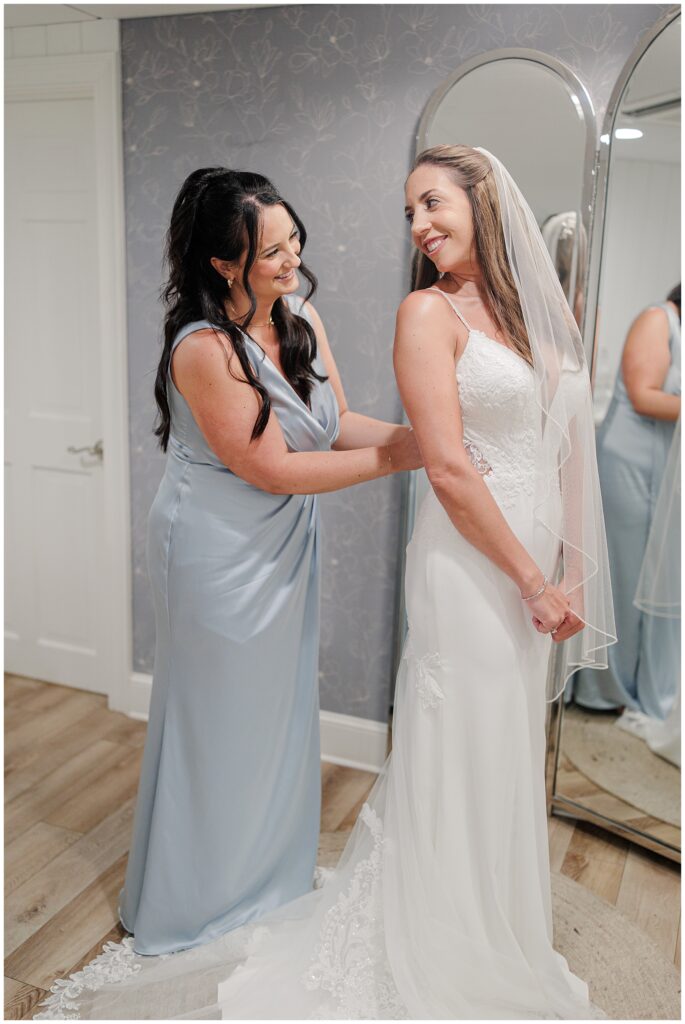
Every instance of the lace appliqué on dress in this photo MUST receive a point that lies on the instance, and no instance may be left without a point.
(115, 963)
(477, 458)
(425, 666)
(350, 959)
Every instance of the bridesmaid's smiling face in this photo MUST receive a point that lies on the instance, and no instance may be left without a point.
(439, 213)
(274, 271)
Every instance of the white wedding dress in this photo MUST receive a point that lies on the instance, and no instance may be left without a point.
(440, 907)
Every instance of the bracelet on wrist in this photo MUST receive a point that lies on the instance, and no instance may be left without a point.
(545, 581)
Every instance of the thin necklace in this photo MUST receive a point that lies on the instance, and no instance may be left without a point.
(269, 322)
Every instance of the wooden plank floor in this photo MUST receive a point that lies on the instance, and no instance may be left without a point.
(573, 784)
(70, 780)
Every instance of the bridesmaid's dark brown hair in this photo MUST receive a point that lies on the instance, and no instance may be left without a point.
(217, 213)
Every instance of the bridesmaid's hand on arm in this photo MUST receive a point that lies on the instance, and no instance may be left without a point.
(356, 430)
(208, 375)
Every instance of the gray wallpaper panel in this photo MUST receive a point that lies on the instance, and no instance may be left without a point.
(325, 100)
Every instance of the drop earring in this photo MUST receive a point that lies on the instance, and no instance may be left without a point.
(229, 282)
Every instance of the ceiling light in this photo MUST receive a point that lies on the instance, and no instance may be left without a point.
(628, 133)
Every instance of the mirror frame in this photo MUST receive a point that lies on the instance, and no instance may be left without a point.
(556, 803)
(577, 89)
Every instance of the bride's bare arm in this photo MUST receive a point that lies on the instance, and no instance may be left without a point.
(426, 347)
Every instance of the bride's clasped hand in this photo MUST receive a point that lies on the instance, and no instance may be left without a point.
(551, 613)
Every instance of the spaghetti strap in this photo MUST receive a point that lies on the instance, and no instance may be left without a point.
(463, 319)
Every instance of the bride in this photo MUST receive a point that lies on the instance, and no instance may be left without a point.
(440, 907)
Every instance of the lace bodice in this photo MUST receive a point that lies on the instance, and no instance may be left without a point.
(501, 418)
(500, 415)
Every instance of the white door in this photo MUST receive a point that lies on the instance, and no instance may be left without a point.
(55, 625)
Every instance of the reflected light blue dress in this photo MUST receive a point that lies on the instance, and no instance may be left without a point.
(227, 817)
(631, 453)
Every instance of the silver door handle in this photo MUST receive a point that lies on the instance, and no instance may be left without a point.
(97, 450)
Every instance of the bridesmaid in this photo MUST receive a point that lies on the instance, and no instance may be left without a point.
(250, 406)
(632, 448)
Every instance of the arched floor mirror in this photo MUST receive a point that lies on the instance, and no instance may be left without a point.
(614, 741)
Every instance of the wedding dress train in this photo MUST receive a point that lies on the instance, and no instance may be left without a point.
(440, 907)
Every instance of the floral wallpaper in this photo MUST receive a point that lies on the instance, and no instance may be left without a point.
(325, 100)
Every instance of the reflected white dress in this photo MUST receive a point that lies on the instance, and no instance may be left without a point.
(440, 907)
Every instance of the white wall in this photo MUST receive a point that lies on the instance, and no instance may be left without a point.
(641, 256)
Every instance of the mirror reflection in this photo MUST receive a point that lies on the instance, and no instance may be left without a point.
(619, 749)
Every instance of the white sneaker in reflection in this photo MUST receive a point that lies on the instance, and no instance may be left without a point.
(634, 721)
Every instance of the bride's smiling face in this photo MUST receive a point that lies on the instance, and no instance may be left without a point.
(439, 213)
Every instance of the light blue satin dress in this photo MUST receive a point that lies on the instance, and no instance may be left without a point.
(227, 818)
(632, 450)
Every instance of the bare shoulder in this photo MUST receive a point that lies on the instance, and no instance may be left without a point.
(202, 354)
(648, 332)
(424, 303)
(201, 346)
(424, 316)
(653, 318)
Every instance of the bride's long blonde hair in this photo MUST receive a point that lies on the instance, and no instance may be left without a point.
(471, 171)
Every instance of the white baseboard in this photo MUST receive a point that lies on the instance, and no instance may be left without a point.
(139, 695)
(345, 739)
(353, 742)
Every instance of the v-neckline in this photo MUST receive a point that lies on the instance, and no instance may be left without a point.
(499, 344)
(278, 373)
(267, 356)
